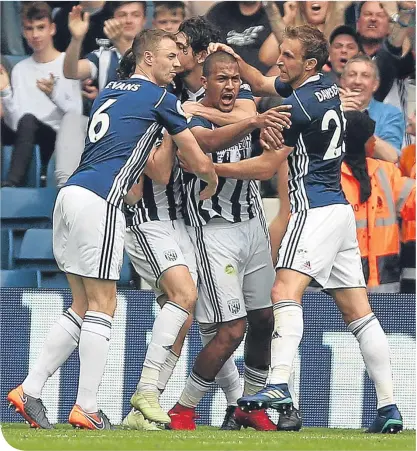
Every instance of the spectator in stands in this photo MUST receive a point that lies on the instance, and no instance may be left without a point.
(408, 227)
(244, 26)
(168, 16)
(100, 66)
(380, 196)
(389, 45)
(99, 11)
(326, 16)
(344, 45)
(360, 80)
(38, 95)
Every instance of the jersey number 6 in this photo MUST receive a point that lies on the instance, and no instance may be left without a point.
(100, 122)
(337, 144)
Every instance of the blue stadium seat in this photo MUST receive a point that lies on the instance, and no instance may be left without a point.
(24, 208)
(125, 274)
(6, 249)
(19, 278)
(36, 251)
(34, 173)
(50, 174)
(53, 280)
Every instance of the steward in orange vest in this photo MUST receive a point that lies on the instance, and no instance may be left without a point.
(408, 228)
(379, 195)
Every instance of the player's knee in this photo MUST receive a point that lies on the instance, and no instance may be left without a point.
(104, 305)
(279, 291)
(232, 332)
(185, 296)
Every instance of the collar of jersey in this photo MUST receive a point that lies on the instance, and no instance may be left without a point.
(311, 79)
(194, 95)
(140, 76)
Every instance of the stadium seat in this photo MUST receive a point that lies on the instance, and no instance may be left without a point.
(24, 208)
(19, 278)
(6, 249)
(53, 280)
(50, 174)
(125, 274)
(34, 172)
(36, 251)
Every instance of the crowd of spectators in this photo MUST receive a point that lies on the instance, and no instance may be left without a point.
(47, 96)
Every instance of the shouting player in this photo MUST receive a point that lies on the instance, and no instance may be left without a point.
(89, 224)
(320, 242)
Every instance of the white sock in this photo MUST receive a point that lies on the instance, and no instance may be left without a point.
(195, 388)
(291, 388)
(255, 380)
(288, 331)
(228, 377)
(93, 349)
(167, 370)
(164, 333)
(373, 344)
(60, 343)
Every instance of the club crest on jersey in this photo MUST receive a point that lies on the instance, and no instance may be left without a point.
(170, 255)
(234, 306)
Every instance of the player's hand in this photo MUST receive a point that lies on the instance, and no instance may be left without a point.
(78, 22)
(211, 188)
(406, 5)
(191, 108)
(113, 29)
(277, 117)
(89, 91)
(135, 193)
(350, 99)
(4, 78)
(218, 46)
(46, 85)
(271, 139)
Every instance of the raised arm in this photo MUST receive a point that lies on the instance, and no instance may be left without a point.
(198, 163)
(78, 24)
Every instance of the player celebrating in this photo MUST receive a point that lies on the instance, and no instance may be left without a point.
(89, 225)
(232, 252)
(320, 242)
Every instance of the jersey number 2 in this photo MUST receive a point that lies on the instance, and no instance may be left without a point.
(337, 144)
(100, 122)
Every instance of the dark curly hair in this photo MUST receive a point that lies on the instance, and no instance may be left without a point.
(199, 32)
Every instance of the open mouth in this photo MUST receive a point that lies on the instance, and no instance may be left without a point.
(316, 7)
(227, 99)
(343, 60)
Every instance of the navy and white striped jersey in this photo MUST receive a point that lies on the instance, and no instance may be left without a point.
(104, 64)
(317, 135)
(233, 199)
(157, 203)
(125, 121)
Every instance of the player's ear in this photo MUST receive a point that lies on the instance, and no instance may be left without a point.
(201, 56)
(204, 81)
(311, 63)
(148, 57)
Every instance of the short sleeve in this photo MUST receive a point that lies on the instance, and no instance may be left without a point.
(283, 89)
(299, 122)
(198, 121)
(245, 92)
(93, 57)
(170, 112)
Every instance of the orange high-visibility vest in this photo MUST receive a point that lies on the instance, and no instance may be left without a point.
(377, 221)
(407, 166)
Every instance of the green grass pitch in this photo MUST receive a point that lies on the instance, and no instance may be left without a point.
(64, 437)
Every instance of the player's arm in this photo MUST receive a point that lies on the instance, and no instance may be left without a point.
(262, 167)
(161, 160)
(223, 137)
(279, 224)
(78, 24)
(261, 85)
(243, 109)
(135, 193)
(197, 162)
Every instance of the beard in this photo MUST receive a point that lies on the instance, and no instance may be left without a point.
(371, 41)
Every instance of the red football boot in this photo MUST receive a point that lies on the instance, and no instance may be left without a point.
(256, 419)
(182, 418)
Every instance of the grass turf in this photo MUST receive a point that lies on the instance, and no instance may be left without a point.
(64, 437)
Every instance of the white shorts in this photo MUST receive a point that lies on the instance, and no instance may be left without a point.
(235, 269)
(154, 247)
(321, 242)
(88, 234)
